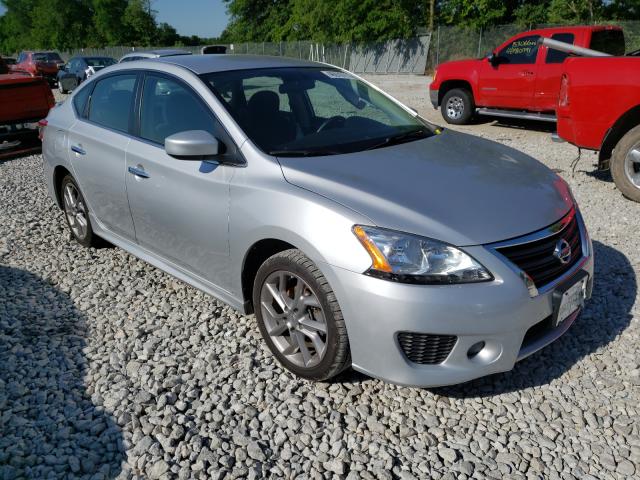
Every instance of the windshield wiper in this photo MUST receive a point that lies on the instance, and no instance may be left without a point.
(302, 153)
(400, 138)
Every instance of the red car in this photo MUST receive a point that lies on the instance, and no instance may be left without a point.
(44, 64)
(25, 100)
(519, 79)
(599, 109)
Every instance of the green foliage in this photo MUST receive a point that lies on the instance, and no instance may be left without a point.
(323, 20)
(68, 24)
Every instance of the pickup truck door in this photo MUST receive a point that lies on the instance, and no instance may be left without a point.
(549, 74)
(509, 81)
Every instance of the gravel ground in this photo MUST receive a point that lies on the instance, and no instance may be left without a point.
(113, 369)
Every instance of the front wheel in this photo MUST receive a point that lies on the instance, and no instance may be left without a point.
(299, 317)
(457, 106)
(625, 164)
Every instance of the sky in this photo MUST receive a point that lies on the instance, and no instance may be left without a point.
(206, 18)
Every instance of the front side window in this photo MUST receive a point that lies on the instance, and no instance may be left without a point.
(169, 107)
(522, 51)
(298, 111)
(556, 56)
(111, 101)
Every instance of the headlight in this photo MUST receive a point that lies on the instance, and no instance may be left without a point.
(407, 258)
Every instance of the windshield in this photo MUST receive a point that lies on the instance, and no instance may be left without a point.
(47, 57)
(312, 111)
(100, 61)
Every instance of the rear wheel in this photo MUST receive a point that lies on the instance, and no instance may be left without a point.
(299, 317)
(457, 106)
(625, 164)
(76, 213)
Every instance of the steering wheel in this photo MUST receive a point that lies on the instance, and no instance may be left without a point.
(337, 120)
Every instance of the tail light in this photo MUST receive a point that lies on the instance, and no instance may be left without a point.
(563, 99)
(41, 126)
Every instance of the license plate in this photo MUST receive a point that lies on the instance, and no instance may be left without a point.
(569, 298)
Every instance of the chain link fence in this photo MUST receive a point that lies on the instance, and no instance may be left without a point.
(413, 56)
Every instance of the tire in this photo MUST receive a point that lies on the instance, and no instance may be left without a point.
(61, 89)
(317, 302)
(83, 235)
(625, 166)
(457, 106)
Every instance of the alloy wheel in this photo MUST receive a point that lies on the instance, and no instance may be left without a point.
(294, 318)
(455, 107)
(75, 210)
(632, 165)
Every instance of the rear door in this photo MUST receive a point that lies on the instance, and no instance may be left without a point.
(180, 207)
(510, 82)
(97, 143)
(550, 72)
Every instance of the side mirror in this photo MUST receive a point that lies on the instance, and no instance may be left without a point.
(192, 145)
(493, 59)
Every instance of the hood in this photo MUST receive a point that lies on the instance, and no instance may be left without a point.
(452, 187)
(470, 62)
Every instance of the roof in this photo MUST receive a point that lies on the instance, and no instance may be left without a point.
(156, 53)
(575, 28)
(200, 64)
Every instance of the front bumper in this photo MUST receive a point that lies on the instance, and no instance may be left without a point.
(498, 313)
(433, 96)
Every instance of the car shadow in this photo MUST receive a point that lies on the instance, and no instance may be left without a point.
(49, 426)
(606, 315)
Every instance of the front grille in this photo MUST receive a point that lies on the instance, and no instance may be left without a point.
(425, 348)
(537, 259)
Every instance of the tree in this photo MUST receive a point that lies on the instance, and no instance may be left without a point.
(139, 21)
(108, 28)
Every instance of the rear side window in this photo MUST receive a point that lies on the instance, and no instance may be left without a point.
(608, 41)
(556, 56)
(80, 101)
(522, 51)
(111, 101)
(169, 107)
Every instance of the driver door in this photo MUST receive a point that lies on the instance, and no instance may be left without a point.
(510, 81)
(180, 208)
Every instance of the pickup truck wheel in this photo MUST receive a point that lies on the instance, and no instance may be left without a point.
(299, 317)
(625, 164)
(457, 106)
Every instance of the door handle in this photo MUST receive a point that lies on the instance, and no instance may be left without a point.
(526, 73)
(138, 172)
(78, 150)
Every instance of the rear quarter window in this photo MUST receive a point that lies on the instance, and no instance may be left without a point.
(608, 41)
(80, 100)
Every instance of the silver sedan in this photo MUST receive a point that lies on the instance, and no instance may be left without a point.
(359, 234)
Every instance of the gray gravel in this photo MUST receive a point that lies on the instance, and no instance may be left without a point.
(110, 368)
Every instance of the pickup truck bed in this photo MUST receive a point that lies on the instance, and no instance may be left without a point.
(25, 100)
(599, 109)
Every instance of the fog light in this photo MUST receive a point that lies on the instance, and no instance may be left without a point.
(475, 349)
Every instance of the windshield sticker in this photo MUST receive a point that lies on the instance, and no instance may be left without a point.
(337, 74)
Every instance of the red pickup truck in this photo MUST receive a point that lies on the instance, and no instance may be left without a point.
(519, 79)
(599, 109)
(25, 100)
